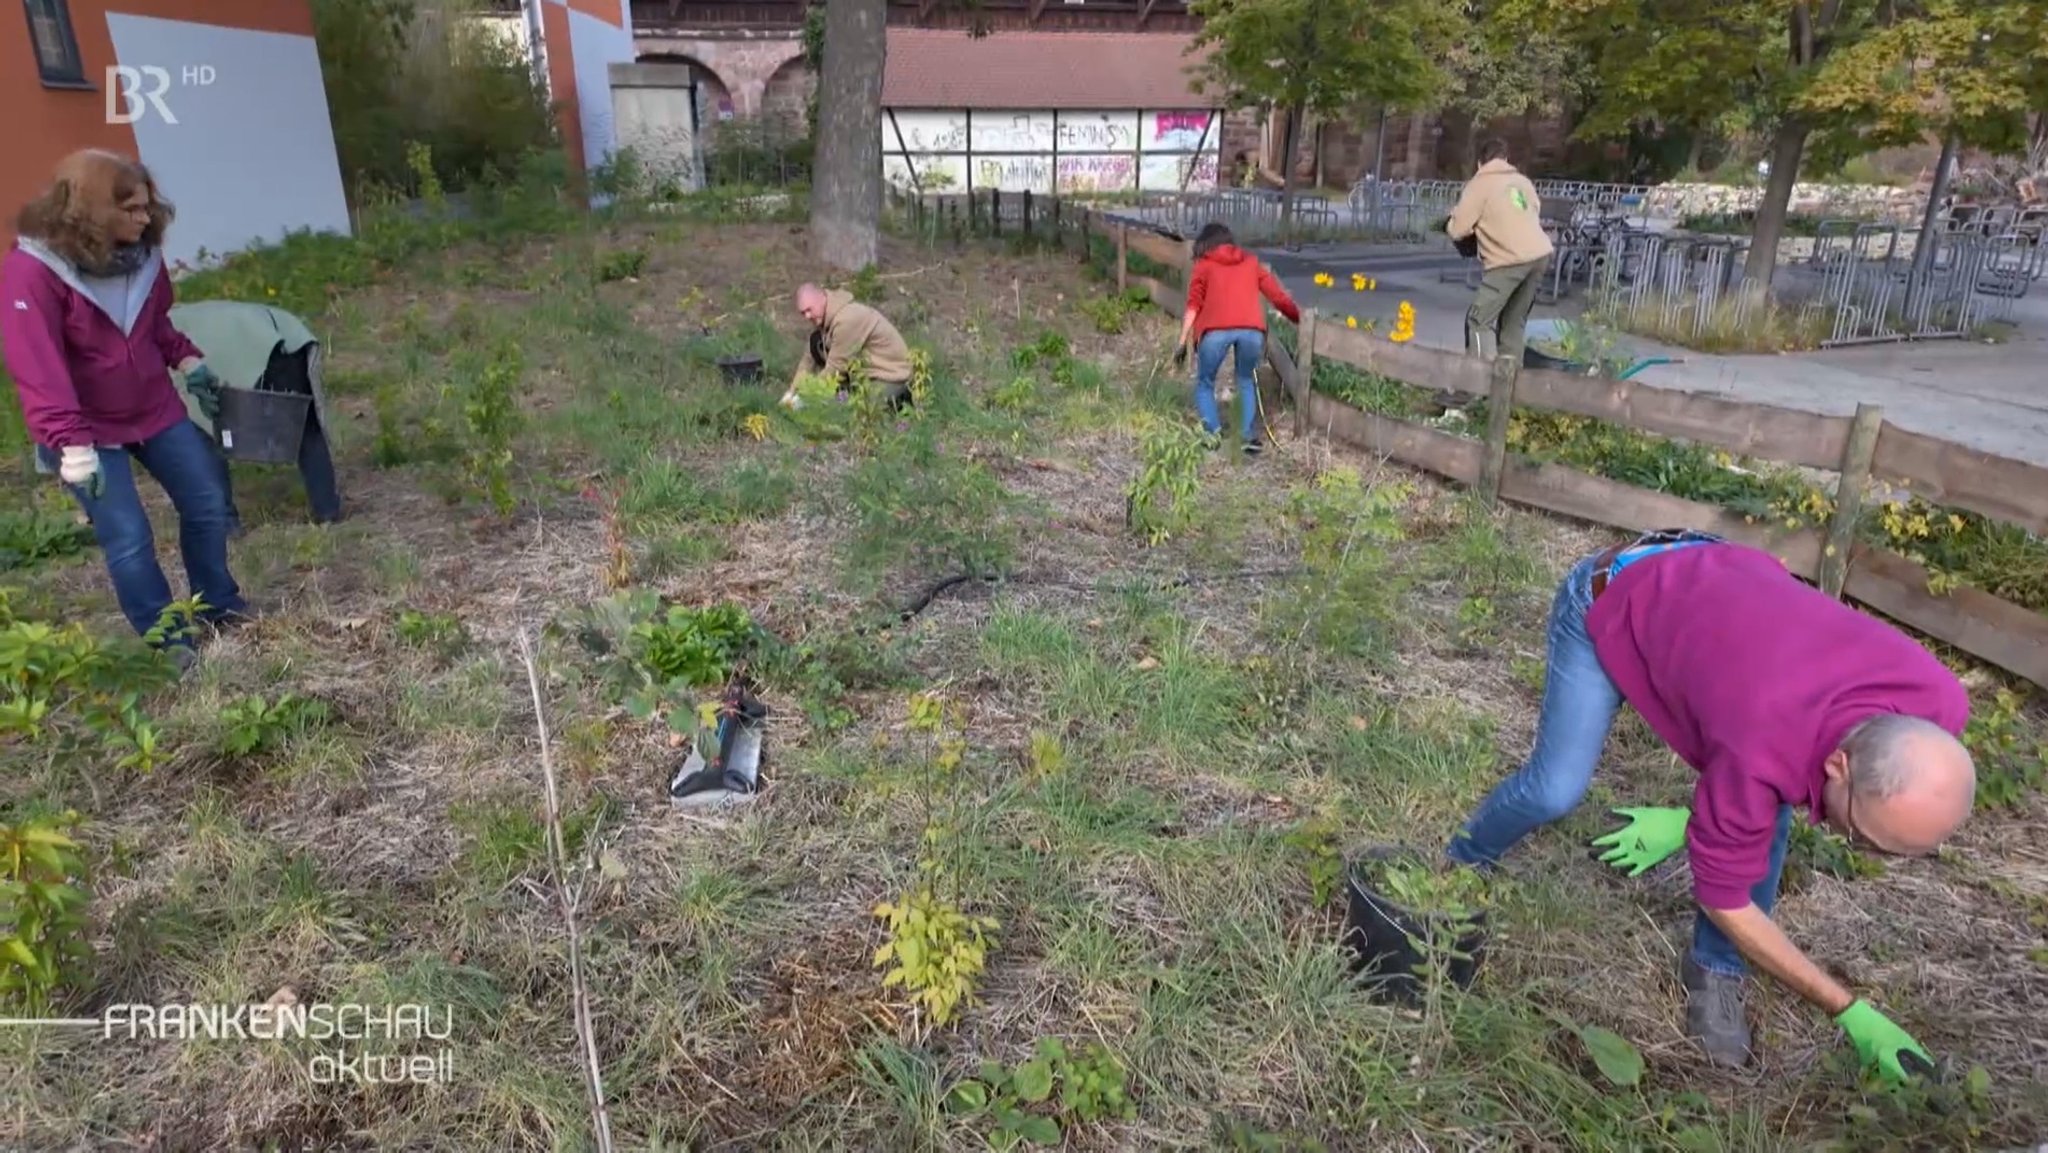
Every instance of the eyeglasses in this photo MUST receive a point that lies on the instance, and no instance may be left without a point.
(1857, 837)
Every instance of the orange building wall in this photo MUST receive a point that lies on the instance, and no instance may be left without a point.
(554, 30)
(43, 125)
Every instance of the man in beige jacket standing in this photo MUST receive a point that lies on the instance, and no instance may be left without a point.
(1500, 207)
(842, 329)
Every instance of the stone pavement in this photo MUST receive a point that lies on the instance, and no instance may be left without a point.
(1990, 397)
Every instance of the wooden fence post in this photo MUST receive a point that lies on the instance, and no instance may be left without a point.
(1305, 367)
(1841, 534)
(1123, 258)
(1500, 408)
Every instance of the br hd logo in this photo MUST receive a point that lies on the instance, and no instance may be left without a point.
(141, 88)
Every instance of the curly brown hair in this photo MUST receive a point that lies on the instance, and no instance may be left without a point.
(75, 216)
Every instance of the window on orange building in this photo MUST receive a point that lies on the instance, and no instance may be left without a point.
(56, 47)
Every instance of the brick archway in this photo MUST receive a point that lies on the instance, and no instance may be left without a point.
(743, 62)
(714, 91)
(788, 92)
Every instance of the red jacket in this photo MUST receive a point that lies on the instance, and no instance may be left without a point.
(1225, 289)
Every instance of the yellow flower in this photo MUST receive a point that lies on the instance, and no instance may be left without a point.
(1351, 322)
(1324, 280)
(756, 426)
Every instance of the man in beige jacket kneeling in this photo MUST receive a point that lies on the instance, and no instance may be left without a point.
(842, 329)
(1500, 207)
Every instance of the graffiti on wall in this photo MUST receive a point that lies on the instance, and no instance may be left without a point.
(1014, 173)
(1098, 173)
(1177, 131)
(1046, 151)
(1012, 132)
(1098, 131)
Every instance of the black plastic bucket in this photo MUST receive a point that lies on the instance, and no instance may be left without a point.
(1394, 948)
(262, 427)
(740, 369)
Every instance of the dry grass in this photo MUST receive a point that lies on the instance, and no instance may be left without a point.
(1147, 897)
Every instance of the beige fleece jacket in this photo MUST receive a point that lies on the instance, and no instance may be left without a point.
(854, 329)
(1501, 206)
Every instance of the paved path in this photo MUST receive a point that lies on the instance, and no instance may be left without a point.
(1990, 397)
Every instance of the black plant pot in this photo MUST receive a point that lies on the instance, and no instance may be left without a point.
(262, 427)
(1396, 950)
(740, 369)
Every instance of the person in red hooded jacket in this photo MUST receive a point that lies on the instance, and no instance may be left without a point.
(1225, 315)
(85, 325)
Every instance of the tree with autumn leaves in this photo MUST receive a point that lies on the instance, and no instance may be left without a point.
(1321, 58)
(1829, 79)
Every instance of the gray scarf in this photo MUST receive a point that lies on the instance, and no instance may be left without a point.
(126, 260)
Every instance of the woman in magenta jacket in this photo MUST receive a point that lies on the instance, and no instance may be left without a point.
(85, 324)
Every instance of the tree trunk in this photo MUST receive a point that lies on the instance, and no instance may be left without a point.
(1923, 248)
(1291, 145)
(1418, 124)
(846, 182)
(1696, 151)
(1786, 148)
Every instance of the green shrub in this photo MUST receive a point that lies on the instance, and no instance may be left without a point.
(42, 919)
(399, 72)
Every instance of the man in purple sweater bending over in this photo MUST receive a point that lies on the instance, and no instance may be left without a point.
(1780, 698)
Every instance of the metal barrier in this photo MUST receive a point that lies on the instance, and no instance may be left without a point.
(1858, 286)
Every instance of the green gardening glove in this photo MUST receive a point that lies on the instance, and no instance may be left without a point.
(1879, 1043)
(204, 389)
(1650, 836)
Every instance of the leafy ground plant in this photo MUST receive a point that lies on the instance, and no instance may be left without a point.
(936, 951)
(43, 945)
(1161, 499)
(256, 725)
(659, 660)
(1091, 1084)
(75, 696)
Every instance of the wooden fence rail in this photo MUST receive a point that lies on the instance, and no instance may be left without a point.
(1858, 449)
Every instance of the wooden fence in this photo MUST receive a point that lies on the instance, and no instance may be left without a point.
(1860, 449)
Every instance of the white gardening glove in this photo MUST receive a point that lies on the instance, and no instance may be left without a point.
(80, 466)
(791, 401)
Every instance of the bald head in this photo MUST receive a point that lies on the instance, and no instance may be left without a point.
(810, 300)
(1901, 783)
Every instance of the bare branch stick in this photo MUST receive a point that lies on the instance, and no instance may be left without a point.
(593, 1076)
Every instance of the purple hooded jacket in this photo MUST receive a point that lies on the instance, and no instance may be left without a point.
(91, 358)
(1753, 678)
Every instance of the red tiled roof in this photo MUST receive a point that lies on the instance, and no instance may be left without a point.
(934, 68)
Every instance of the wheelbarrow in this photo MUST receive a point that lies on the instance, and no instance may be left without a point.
(1553, 330)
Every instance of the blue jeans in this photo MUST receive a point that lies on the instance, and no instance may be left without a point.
(1250, 345)
(189, 468)
(1579, 706)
